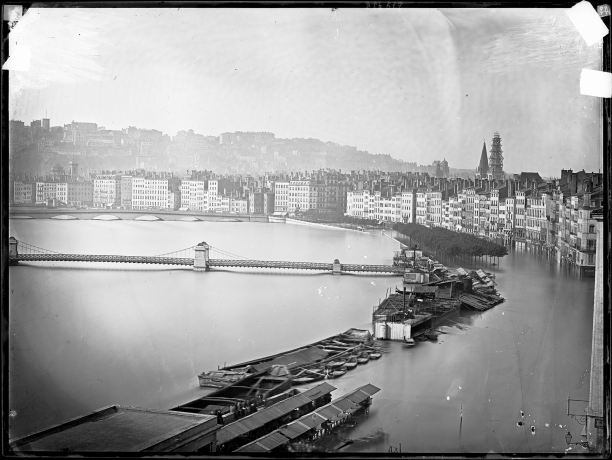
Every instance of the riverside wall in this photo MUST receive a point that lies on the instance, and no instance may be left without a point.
(128, 214)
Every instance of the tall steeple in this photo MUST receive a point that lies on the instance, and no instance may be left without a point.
(496, 160)
(483, 167)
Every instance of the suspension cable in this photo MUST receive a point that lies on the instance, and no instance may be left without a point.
(221, 251)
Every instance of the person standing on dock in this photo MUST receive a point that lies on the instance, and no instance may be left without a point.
(220, 420)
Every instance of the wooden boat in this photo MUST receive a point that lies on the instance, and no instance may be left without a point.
(363, 358)
(338, 372)
(375, 355)
(336, 364)
(431, 335)
(351, 363)
(220, 378)
(309, 375)
(409, 342)
(336, 348)
(305, 378)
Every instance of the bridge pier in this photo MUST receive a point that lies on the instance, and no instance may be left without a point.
(337, 267)
(202, 257)
(13, 252)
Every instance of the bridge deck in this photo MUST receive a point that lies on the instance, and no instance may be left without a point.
(212, 262)
(103, 258)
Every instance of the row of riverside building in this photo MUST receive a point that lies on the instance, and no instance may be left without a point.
(200, 191)
(554, 215)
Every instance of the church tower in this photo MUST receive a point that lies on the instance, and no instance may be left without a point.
(496, 160)
(483, 167)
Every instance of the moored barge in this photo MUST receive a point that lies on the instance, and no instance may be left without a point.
(261, 381)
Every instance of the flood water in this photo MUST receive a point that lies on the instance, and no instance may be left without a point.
(83, 336)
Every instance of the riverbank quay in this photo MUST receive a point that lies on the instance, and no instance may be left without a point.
(126, 214)
(332, 226)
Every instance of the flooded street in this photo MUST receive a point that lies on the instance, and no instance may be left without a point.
(84, 336)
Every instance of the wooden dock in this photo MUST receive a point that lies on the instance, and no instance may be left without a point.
(480, 302)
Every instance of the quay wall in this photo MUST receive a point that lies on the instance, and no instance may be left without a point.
(315, 224)
(129, 214)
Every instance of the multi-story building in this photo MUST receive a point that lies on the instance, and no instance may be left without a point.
(281, 196)
(239, 206)
(421, 208)
(299, 196)
(388, 208)
(79, 132)
(447, 220)
(454, 210)
(480, 220)
(106, 190)
(520, 223)
(434, 209)
(45, 191)
(261, 201)
(79, 193)
(194, 195)
(535, 218)
(149, 193)
(24, 192)
(358, 204)
(126, 191)
(214, 199)
(174, 200)
(408, 207)
(510, 225)
(61, 192)
(467, 210)
(585, 241)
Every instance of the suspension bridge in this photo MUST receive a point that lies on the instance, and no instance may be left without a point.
(198, 257)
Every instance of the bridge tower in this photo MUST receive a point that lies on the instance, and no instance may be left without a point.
(13, 252)
(337, 267)
(202, 256)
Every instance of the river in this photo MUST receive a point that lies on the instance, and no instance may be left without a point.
(83, 336)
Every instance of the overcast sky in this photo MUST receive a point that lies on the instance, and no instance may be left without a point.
(419, 85)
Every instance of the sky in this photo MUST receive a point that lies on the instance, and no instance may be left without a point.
(418, 84)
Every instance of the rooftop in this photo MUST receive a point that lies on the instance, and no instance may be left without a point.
(116, 429)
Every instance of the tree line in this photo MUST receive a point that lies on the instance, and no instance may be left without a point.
(451, 243)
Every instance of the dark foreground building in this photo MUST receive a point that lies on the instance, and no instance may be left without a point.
(125, 429)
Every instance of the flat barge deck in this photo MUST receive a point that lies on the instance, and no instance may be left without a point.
(264, 381)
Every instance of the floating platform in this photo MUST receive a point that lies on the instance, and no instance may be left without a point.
(479, 302)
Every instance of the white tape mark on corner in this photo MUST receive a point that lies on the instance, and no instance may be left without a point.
(19, 58)
(588, 22)
(595, 83)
